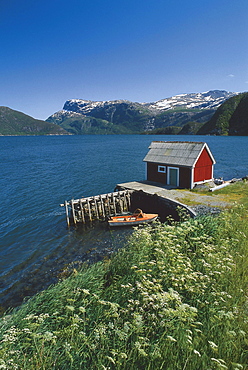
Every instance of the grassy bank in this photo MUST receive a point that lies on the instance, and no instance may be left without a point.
(237, 192)
(233, 193)
(174, 298)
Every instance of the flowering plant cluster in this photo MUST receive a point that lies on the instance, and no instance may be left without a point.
(173, 298)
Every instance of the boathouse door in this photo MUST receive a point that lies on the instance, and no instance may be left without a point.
(173, 176)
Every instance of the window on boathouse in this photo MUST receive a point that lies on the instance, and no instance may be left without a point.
(162, 169)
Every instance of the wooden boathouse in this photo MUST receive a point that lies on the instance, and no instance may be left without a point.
(171, 164)
(180, 164)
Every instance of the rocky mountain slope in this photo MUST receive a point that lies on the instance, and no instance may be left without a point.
(231, 118)
(119, 116)
(13, 122)
(122, 116)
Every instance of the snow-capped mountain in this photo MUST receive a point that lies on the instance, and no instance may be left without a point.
(206, 100)
(107, 110)
(123, 116)
(87, 106)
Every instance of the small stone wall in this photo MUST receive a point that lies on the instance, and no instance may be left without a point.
(156, 204)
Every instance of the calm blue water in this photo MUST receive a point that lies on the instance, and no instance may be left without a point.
(39, 173)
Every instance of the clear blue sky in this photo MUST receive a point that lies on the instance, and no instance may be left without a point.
(139, 50)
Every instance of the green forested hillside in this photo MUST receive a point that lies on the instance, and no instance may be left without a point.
(238, 124)
(231, 118)
(13, 122)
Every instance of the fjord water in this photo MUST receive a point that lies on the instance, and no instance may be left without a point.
(39, 173)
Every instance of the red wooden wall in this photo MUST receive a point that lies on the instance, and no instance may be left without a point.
(203, 167)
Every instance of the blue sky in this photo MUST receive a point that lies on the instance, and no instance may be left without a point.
(139, 50)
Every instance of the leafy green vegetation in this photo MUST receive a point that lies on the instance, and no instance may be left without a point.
(16, 123)
(174, 298)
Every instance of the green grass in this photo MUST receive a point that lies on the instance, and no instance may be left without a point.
(236, 192)
(174, 298)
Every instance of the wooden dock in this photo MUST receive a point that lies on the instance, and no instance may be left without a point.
(150, 197)
(98, 207)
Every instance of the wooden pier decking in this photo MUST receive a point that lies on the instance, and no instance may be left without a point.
(98, 207)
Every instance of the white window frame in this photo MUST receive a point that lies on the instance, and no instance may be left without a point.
(161, 169)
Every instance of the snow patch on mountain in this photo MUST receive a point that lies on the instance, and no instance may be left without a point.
(63, 114)
(87, 106)
(207, 100)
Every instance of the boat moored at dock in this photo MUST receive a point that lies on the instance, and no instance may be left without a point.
(136, 218)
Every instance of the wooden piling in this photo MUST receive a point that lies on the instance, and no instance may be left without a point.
(120, 202)
(129, 199)
(89, 210)
(97, 207)
(67, 214)
(73, 211)
(82, 211)
(125, 201)
(114, 204)
(108, 204)
(102, 205)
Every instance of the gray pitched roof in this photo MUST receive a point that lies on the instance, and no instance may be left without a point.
(178, 153)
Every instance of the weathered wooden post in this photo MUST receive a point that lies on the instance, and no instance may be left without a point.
(125, 201)
(67, 214)
(96, 208)
(120, 202)
(108, 205)
(82, 210)
(129, 200)
(89, 210)
(73, 211)
(113, 196)
(102, 205)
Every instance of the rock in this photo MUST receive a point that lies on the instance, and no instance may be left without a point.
(202, 210)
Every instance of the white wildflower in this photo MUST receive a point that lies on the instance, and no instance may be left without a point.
(197, 353)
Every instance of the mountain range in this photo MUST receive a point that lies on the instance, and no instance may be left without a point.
(122, 116)
(215, 112)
